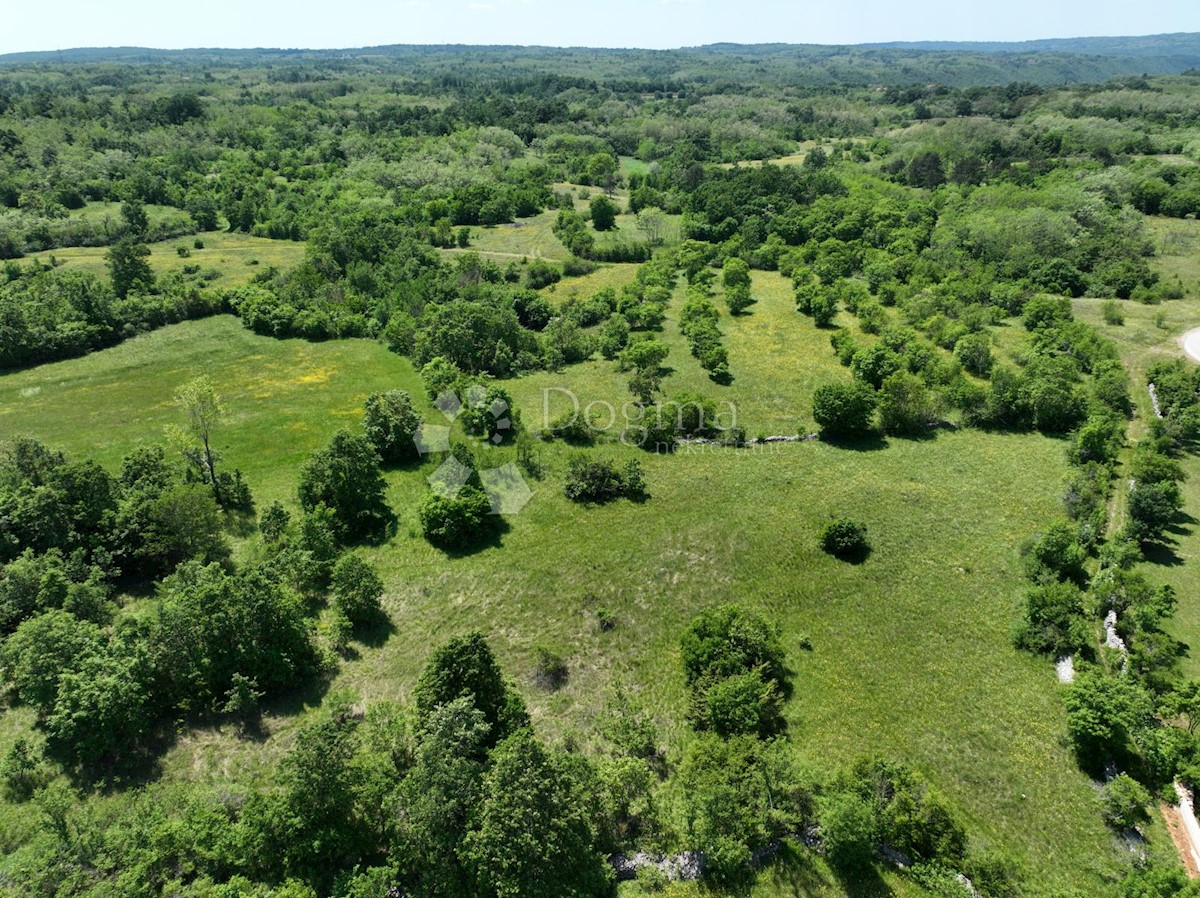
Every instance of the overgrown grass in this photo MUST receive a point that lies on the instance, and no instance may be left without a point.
(911, 652)
(533, 238)
(285, 397)
(236, 257)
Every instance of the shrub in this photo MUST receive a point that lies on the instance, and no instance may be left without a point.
(614, 337)
(1111, 310)
(493, 417)
(440, 376)
(550, 670)
(906, 405)
(823, 308)
(22, 772)
(1054, 621)
(875, 364)
(844, 409)
(345, 476)
(1098, 440)
(845, 539)
(1124, 801)
(1055, 554)
(604, 213)
(455, 522)
(848, 830)
(541, 274)
(1152, 507)
(571, 427)
(273, 523)
(391, 424)
(740, 705)
(600, 480)
(729, 640)
(357, 590)
(738, 299)
(465, 670)
(975, 353)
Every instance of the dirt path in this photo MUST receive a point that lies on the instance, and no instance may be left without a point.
(1191, 343)
(1185, 830)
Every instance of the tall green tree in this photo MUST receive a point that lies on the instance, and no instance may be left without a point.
(203, 410)
(391, 423)
(346, 477)
(128, 268)
(466, 668)
(535, 835)
(604, 213)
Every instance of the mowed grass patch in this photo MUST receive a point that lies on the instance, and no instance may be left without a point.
(533, 238)
(1177, 243)
(525, 238)
(236, 257)
(608, 275)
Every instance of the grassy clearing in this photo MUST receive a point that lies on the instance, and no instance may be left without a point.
(613, 275)
(776, 355)
(111, 212)
(285, 397)
(526, 238)
(911, 653)
(237, 257)
(632, 166)
(533, 238)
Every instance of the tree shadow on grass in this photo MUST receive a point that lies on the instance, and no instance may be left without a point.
(294, 701)
(133, 769)
(870, 442)
(1164, 551)
(857, 557)
(1182, 524)
(863, 882)
(721, 378)
(376, 632)
(794, 872)
(1161, 553)
(493, 538)
(240, 522)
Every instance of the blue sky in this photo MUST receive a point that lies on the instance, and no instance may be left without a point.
(58, 24)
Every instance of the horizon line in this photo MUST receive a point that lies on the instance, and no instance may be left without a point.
(924, 43)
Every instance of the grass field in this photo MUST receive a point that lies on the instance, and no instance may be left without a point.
(237, 257)
(911, 652)
(533, 238)
(285, 397)
(777, 357)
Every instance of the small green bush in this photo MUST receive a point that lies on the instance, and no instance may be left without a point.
(550, 670)
(600, 480)
(845, 539)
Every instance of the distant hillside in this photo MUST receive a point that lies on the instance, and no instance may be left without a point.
(1153, 45)
(1067, 61)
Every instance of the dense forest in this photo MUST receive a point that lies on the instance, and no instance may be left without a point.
(931, 213)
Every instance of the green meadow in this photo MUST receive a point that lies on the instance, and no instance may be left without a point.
(235, 258)
(910, 651)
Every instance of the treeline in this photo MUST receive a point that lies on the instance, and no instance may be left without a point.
(50, 313)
